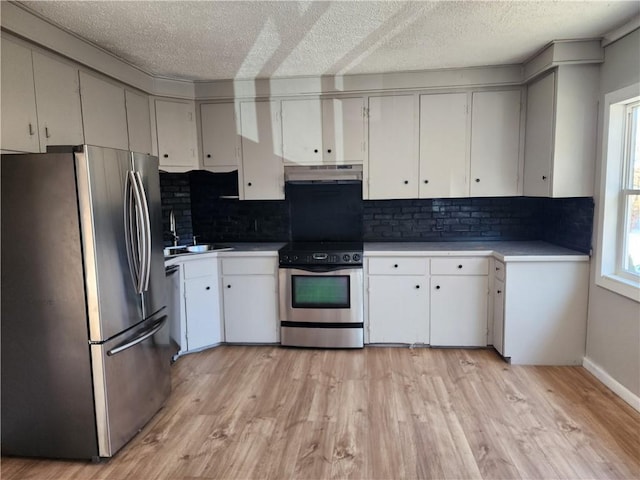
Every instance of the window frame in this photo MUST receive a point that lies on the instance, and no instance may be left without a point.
(611, 231)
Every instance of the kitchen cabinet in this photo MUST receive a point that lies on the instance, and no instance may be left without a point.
(19, 116)
(398, 300)
(498, 316)
(138, 122)
(203, 323)
(250, 292)
(443, 145)
(393, 168)
(495, 143)
(58, 102)
(545, 321)
(323, 131)
(560, 133)
(176, 135)
(103, 112)
(261, 173)
(458, 306)
(220, 142)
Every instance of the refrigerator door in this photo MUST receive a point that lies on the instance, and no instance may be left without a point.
(112, 301)
(47, 395)
(154, 295)
(132, 381)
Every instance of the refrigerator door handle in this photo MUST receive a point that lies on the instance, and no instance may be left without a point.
(146, 221)
(141, 232)
(129, 229)
(140, 338)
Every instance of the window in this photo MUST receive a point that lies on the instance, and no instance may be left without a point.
(629, 228)
(618, 236)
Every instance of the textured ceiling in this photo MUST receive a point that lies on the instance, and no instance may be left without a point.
(210, 40)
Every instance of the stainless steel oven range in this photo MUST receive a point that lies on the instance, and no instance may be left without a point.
(321, 295)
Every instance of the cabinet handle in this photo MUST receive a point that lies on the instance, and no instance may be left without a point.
(31, 132)
(329, 150)
(417, 286)
(46, 132)
(207, 288)
(459, 266)
(249, 184)
(315, 151)
(497, 269)
(208, 155)
(395, 266)
(228, 286)
(406, 182)
(426, 181)
(544, 177)
(166, 155)
(499, 292)
(437, 287)
(477, 180)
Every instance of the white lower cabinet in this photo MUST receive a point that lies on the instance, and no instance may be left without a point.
(398, 303)
(202, 304)
(545, 312)
(250, 298)
(458, 307)
(498, 316)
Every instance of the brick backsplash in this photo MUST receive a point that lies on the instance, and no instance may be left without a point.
(195, 198)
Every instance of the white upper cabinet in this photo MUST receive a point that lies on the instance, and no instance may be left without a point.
(220, 142)
(261, 176)
(560, 141)
(393, 147)
(19, 118)
(327, 131)
(58, 101)
(104, 113)
(176, 133)
(443, 145)
(138, 122)
(495, 143)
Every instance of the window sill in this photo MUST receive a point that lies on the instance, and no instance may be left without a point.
(620, 285)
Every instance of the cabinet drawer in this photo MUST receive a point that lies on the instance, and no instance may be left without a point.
(398, 266)
(499, 270)
(459, 266)
(243, 266)
(200, 268)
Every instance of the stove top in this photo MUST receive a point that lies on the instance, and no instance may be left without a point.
(321, 253)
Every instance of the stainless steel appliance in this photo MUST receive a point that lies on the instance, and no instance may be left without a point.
(321, 295)
(85, 337)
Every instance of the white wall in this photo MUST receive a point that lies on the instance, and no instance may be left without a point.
(613, 328)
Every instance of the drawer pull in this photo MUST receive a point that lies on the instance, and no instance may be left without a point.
(207, 288)
(417, 286)
(437, 287)
(459, 266)
(395, 266)
(228, 286)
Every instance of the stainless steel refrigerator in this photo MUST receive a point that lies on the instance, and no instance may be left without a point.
(85, 337)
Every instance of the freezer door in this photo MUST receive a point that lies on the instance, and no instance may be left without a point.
(132, 381)
(154, 295)
(112, 301)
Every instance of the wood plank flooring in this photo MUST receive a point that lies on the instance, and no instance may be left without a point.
(377, 413)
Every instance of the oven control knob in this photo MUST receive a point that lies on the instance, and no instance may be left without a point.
(285, 258)
(356, 257)
(346, 257)
(295, 257)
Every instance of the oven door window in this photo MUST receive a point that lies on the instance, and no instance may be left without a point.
(331, 291)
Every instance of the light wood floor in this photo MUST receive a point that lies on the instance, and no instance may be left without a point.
(385, 413)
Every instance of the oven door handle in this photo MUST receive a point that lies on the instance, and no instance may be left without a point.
(321, 268)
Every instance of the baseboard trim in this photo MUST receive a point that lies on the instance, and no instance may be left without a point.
(623, 392)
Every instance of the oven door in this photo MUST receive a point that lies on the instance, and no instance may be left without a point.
(321, 307)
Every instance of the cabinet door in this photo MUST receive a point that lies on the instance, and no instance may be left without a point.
(459, 311)
(250, 310)
(398, 309)
(538, 145)
(103, 113)
(175, 122)
(202, 307)
(138, 122)
(495, 143)
(19, 119)
(302, 131)
(443, 146)
(262, 175)
(343, 130)
(219, 136)
(58, 99)
(393, 158)
(498, 316)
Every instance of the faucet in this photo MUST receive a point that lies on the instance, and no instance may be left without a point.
(172, 226)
